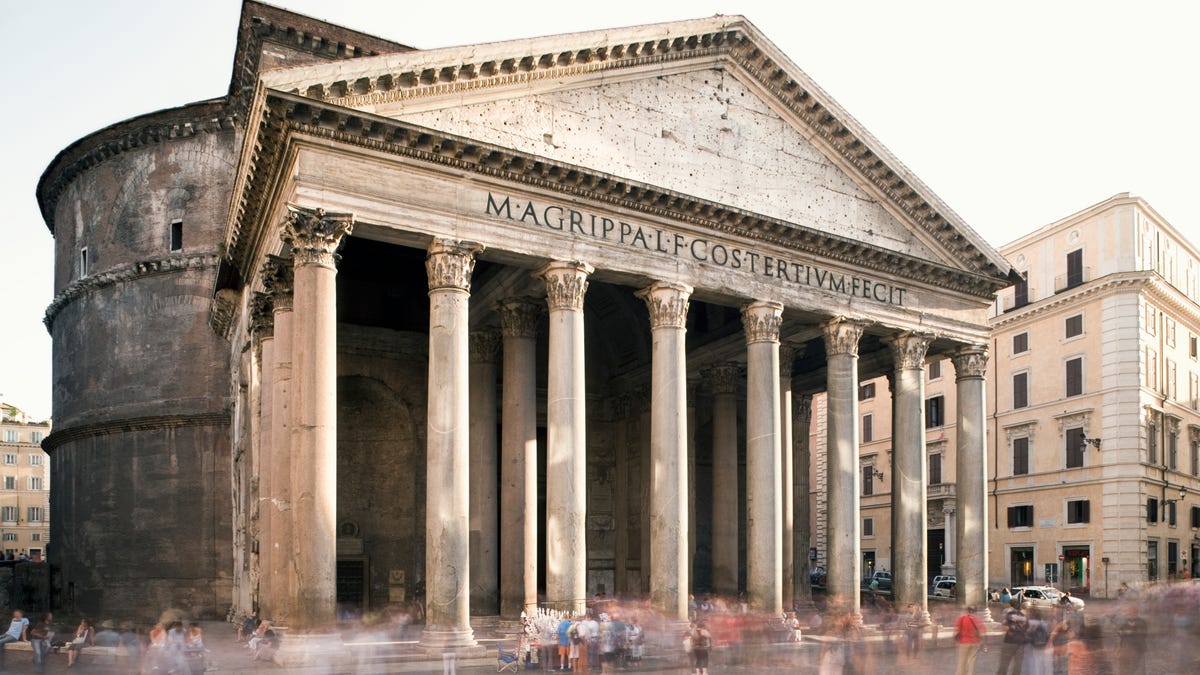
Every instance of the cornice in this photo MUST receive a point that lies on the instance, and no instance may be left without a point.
(1104, 285)
(143, 268)
(150, 423)
(284, 116)
(183, 122)
(736, 41)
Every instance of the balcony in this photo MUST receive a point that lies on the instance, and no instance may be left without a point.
(939, 491)
(1065, 282)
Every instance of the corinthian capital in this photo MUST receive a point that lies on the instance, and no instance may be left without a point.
(970, 362)
(908, 350)
(566, 284)
(841, 336)
(278, 282)
(723, 378)
(519, 317)
(262, 317)
(761, 320)
(450, 263)
(483, 346)
(315, 235)
(668, 304)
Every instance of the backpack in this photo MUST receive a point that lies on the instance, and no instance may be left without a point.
(1039, 636)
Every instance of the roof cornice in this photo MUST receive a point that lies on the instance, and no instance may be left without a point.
(1141, 281)
(281, 117)
(455, 71)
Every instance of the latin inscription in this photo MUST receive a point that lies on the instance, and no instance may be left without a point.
(655, 241)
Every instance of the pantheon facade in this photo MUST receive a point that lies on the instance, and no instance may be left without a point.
(493, 326)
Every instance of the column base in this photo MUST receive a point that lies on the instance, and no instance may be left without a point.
(323, 652)
(437, 640)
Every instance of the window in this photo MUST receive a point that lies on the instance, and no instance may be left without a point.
(1075, 445)
(1152, 510)
(10, 436)
(868, 480)
(177, 235)
(934, 412)
(935, 468)
(35, 460)
(35, 482)
(1021, 343)
(8, 513)
(1075, 376)
(83, 262)
(1170, 332)
(36, 536)
(1173, 449)
(935, 370)
(1195, 517)
(1196, 458)
(1074, 326)
(1171, 390)
(1020, 516)
(866, 391)
(10, 458)
(1020, 456)
(868, 528)
(868, 428)
(1151, 320)
(1194, 390)
(1021, 390)
(1079, 511)
(1194, 347)
(1152, 443)
(35, 513)
(1169, 507)
(10, 482)
(1021, 293)
(1075, 268)
(36, 436)
(10, 536)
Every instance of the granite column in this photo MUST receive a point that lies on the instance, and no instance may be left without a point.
(909, 555)
(842, 474)
(485, 522)
(971, 563)
(764, 498)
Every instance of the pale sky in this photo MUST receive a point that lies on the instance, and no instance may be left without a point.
(1015, 113)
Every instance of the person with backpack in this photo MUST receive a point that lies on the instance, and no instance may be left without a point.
(701, 647)
(1013, 648)
(1039, 654)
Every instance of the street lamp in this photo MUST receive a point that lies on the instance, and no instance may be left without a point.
(1172, 502)
(1084, 442)
(877, 473)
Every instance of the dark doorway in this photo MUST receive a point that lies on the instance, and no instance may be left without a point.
(351, 588)
(936, 541)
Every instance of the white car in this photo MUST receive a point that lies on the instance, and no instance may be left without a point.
(946, 589)
(1044, 597)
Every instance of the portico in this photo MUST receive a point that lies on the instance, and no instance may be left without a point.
(512, 324)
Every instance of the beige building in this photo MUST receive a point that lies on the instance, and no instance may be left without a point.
(1093, 430)
(1095, 452)
(24, 484)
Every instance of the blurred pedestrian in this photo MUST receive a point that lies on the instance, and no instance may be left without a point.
(912, 630)
(701, 647)
(971, 637)
(1131, 653)
(1013, 647)
(40, 636)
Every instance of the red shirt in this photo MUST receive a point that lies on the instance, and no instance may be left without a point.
(969, 629)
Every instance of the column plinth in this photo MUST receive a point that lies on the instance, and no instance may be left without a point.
(971, 523)
(566, 437)
(449, 265)
(909, 510)
(518, 473)
(669, 581)
(314, 236)
(764, 491)
(842, 475)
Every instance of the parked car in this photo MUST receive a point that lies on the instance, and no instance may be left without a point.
(940, 577)
(1044, 597)
(884, 578)
(946, 589)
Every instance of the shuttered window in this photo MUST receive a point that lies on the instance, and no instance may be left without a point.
(1074, 377)
(1020, 390)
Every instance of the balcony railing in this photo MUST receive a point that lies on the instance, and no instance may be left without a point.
(1065, 282)
(939, 491)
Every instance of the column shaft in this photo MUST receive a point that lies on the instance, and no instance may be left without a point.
(485, 561)
(764, 491)
(566, 437)
(722, 380)
(314, 236)
(844, 489)
(787, 356)
(447, 464)
(263, 329)
(668, 304)
(909, 511)
(518, 477)
(283, 570)
(801, 495)
(971, 477)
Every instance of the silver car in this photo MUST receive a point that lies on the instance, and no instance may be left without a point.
(1044, 597)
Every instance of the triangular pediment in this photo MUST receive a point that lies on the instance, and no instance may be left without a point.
(707, 108)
